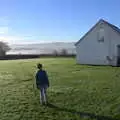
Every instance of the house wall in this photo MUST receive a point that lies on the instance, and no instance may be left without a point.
(90, 51)
(114, 39)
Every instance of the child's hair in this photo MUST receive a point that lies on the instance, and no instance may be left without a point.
(39, 66)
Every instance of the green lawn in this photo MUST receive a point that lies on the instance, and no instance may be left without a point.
(77, 92)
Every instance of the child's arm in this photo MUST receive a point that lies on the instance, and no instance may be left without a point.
(47, 78)
(37, 80)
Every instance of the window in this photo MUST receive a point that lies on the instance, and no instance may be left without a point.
(101, 35)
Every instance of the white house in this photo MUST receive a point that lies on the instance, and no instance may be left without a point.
(100, 45)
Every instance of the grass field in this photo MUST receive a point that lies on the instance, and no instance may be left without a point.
(77, 92)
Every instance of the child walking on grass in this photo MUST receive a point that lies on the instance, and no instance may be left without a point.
(42, 84)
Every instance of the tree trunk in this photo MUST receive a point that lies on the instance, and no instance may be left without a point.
(2, 53)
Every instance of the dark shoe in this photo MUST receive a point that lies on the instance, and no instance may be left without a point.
(46, 103)
(42, 103)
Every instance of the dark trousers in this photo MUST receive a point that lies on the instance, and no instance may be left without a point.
(43, 93)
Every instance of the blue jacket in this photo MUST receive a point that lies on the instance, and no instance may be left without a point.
(42, 78)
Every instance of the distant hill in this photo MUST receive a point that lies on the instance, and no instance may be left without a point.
(41, 48)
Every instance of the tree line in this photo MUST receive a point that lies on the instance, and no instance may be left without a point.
(60, 52)
(4, 47)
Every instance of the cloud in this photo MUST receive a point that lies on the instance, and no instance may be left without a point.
(4, 30)
(25, 40)
(9, 39)
(18, 40)
(4, 27)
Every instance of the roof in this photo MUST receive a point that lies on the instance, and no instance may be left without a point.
(115, 28)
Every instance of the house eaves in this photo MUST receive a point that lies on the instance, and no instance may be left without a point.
(115, 28)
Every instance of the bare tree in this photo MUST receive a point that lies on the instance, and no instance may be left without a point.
(4, 47)
(64, 52)
(55, 52)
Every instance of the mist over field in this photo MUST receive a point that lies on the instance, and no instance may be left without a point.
(42, 48)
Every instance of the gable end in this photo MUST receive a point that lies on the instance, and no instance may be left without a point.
(116, 29)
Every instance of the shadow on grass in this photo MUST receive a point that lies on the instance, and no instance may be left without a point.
(82, 114)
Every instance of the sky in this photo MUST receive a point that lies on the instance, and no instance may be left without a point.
(35, 21)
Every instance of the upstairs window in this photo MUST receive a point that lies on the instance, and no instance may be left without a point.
(101, 35)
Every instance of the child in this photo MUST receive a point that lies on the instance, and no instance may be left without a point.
(42, 83)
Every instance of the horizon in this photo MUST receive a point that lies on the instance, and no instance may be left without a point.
(50, 42)
(47, 21)
(41, 48)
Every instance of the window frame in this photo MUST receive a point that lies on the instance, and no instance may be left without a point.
(101, 38)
